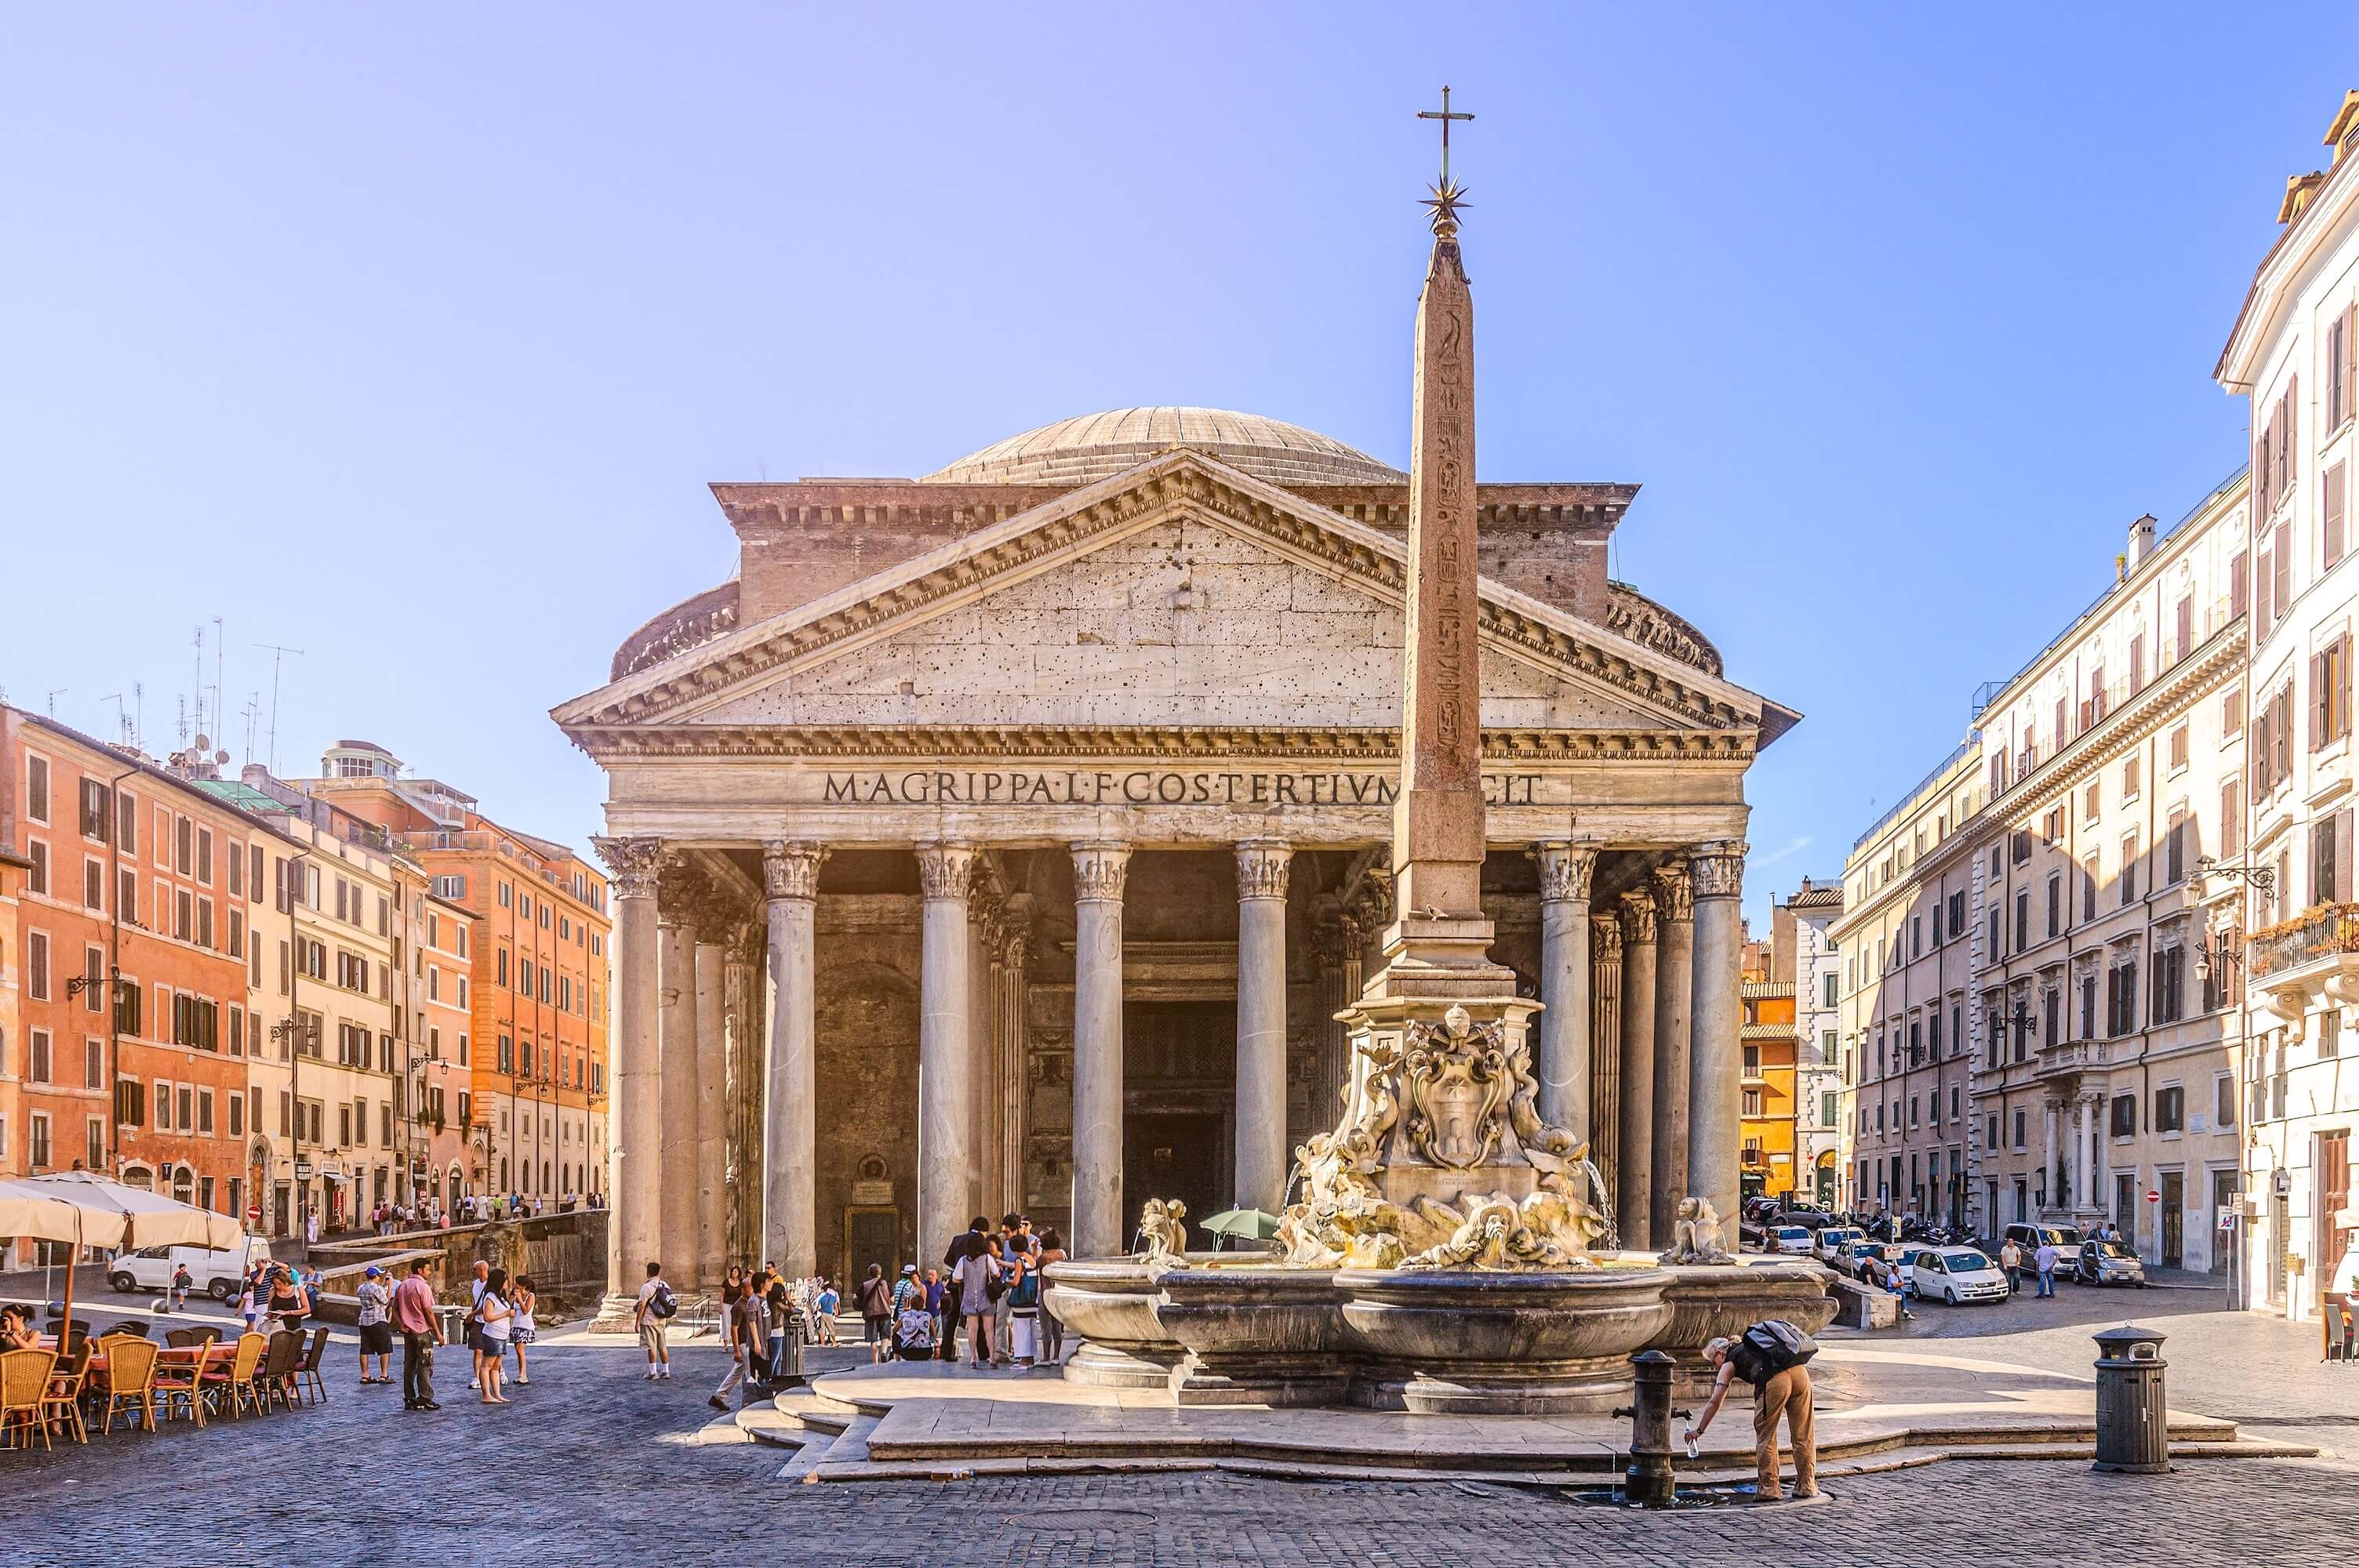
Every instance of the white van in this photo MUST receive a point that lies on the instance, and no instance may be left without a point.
(217, 1274)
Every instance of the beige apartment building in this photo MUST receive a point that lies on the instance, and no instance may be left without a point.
(2104, 1029)
(2294, 353)
(1906, 975)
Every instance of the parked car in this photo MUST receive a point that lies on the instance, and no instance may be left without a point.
(1855, 1257)
(2108, 1263)
(1953, 1275)
(2063, 1237)
(218, 1274)
(1832, 1240)
(1785, 1238)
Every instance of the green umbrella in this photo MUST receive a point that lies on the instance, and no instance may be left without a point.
(1244, 1224)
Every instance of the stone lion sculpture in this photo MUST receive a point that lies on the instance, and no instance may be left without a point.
(1163, 1225)
(1695, 1234)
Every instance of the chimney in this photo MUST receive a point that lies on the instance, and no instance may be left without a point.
(2141, 539)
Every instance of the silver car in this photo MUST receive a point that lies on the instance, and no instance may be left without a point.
(2108, 1263)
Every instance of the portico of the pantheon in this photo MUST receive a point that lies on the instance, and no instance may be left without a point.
(1007, 840)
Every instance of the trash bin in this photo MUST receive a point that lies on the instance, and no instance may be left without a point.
(792, 1374)
(2132, 1422)
(454, 1323)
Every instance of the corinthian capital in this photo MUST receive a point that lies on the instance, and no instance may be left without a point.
(632, 863)
(1099, 869)
(1639, 915)
(945, 870)
(1261, 867)
(790, 868)
(1605, 939)
(1565, 870)
(1717, 869)
(1674, 894)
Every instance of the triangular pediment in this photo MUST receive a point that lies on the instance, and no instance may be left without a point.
(1182, 593)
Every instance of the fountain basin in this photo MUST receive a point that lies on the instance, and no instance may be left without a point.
(1473, 1342)
(1710, 1300)
(1229, 1329)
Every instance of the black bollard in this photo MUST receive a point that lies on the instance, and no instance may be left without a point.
(1650, 1482)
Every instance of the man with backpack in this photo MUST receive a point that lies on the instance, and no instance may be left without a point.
(652, 1317)
(1770, 1356)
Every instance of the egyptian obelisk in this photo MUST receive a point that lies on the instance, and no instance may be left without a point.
(1438, 946)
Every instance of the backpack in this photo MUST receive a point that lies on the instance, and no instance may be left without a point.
(663, 1303)
(1776, 1346)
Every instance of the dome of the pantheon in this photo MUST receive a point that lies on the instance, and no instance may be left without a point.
(1099, 445)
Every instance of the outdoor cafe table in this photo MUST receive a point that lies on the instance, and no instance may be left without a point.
(211, 1354)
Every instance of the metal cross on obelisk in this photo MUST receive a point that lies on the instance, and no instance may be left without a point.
(1448, 195)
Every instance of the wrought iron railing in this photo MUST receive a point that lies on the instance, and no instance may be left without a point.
(2329, 928)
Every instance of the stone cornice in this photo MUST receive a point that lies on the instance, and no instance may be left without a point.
(1184, 484)
(1174, 742)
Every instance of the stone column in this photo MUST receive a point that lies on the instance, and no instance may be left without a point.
(712, 1100)
(1634, 1174)
(945, 1051)
(742, 1127)
(1261, 867)
(676, 966)
(791, 1055)
(2099, 1174)
(983, 1066)
(1015, 1052)
(1606, 1031)
(635, 1147)
(1099, 869)
(2051, 1112)
(1562, 1062)
(1674, 1003)
(1716, 1025)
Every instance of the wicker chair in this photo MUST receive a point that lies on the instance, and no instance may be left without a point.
(176, 1381)
(133, 1326)
(130, 1378)
(182, 1338)
(24, 1387)
(279, 1365)
(310, 1375)
(62, 1403)
(236, 1382)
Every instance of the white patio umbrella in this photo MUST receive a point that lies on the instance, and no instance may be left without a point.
(91, 1210)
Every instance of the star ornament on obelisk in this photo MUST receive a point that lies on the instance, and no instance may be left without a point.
(1438, 815)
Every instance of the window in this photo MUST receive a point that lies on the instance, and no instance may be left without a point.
(2232, 818)
(2330, 693)
(1830, 979)
(37, 1140)
(2170, 1109)
(2121, 1002)
(37, 789)
(2129, 870)
(37, 1064)
(2018, 1129)
(1826, 1107)
(2022, 918)
(1957, 912)
(2329, 857)
(2130, 779)
(37, 875)
(2332, 508)
(1751, 1102)
(2169, 975)
(2121, 1119)
(2339, 367)
(2329, 1033)
(2174, 850)
(205, 856)
(36, 965)
(2055, 903)
(2223, 1102)
(2088, 1007)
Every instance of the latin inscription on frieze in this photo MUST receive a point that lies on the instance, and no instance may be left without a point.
(1136, 786)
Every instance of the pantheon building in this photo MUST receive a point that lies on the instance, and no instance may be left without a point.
(1110, 711)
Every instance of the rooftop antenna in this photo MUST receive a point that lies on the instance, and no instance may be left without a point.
(277, 663)
(253, 712)
(180, 729)
(53, 701)
(122, 722)
(199, 684)
(138, 715)
(220, 654)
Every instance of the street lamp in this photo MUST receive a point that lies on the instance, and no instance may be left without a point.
(2262, 877)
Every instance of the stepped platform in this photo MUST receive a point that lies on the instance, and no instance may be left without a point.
(1878, 1409)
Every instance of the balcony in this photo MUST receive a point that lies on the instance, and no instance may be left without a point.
(2067, 1058)
(2315, 954)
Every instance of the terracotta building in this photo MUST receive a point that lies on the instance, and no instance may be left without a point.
(126, 939)
(532, 1114)
(1766, 1040)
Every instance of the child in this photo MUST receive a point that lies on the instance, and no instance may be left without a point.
(182, 1283)
(827, 1303)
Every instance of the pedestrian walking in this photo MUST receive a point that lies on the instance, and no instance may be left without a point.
(979, 1279)
(2045, 1260)
(498, 1315)
(1052, 1333)
(827, 1303)
(2010, 1258)
(749, 1329)
(651, 1316)
(522, 1332)
(413, 1311)
(374, 1322)
(779, 1299)
(941, 1300)
(733, 1291)
(311, 1230)
(875, 1300)
(1770, 1356)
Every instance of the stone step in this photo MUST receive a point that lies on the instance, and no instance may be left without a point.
(803, 1408)
(849, 1451)
(808, 1457)
(761, 1424)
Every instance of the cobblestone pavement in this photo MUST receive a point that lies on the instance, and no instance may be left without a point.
(594, 1464)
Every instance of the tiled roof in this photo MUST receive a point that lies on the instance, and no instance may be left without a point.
(1099, 445)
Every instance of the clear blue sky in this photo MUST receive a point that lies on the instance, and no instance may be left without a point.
(411, 337)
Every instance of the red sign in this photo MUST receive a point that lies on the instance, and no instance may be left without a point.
(253, 1213)
(2153, 1196)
